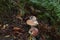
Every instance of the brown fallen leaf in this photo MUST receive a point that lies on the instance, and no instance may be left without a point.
(7, 36)
(16, 28)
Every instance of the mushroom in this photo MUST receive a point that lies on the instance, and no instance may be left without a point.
(33, 31)
(32, 21)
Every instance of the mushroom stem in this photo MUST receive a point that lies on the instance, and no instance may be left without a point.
(32, 27)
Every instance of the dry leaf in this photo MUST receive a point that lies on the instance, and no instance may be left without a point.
(7, 36)
(16, 28)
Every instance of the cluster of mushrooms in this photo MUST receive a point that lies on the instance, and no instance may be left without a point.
(33, 31)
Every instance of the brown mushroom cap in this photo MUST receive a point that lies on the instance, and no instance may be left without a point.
(31, 22)
(33, 31)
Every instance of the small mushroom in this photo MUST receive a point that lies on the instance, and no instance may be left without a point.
(33, 31)
(32, 21)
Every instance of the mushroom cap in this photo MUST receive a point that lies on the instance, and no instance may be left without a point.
(32, 23)
(33, 31)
